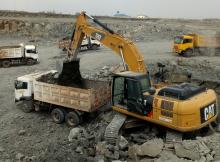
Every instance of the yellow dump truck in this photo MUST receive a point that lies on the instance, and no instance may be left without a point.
(64, 102)
(192, 44)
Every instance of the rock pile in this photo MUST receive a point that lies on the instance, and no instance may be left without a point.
(131, 29)
(11, 25)
(126, 150)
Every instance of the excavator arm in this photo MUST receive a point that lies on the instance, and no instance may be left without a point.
(131, 57)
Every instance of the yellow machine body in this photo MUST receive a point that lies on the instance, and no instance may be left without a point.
(183, 115)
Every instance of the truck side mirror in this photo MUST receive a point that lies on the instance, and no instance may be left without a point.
(152, 90)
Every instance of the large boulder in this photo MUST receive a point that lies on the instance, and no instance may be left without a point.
(74, 133)
(183, 152)
(123, 143)
(151, 148)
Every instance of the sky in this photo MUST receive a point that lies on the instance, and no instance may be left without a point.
(153, 8)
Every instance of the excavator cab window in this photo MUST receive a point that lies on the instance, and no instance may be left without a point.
(134, 96)
(118, 91)
(128, 93)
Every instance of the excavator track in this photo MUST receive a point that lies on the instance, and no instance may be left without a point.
(172, 138)
(112, 130)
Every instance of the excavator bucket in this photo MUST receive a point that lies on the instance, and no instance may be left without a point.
(70, 74)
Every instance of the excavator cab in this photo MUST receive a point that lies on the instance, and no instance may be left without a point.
(128, 91)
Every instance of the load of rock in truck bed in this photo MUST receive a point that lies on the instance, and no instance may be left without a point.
(51, 78)
(71, 77)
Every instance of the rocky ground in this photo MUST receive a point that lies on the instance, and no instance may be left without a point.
(34, 137)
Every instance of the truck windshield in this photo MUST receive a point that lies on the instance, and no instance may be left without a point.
(31, 51)
(178, 40)
(20, 85)
(145, 84)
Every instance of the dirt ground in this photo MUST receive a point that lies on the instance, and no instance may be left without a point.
(34, 134)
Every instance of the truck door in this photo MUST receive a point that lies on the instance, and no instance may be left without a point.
(118, 97)
(134, 96)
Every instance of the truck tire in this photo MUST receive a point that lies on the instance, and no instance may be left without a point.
(27, 106)
(188, 53)
(95, 47)
(6, 64)
(73, 119)
(58, 115)
(30, 62)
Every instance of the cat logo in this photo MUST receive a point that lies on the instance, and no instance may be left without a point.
(98, 36)
(208, 112)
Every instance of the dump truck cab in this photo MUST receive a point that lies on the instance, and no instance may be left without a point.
(183, 44)
(31, 52)
(23, 88)
(24, 85)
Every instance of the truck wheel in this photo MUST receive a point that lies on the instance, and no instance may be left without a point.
(188, 53)
(27, 106)
(95, 47)
(30, 62)
(57, 115)
(6, 64)
(72, 119)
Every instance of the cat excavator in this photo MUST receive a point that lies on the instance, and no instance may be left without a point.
(183, 108)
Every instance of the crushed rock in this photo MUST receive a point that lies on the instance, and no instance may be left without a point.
(73, 133)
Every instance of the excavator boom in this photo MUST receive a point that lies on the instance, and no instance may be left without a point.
(131, 57)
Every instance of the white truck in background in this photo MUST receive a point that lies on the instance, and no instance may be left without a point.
(18, 55)
(88, 43)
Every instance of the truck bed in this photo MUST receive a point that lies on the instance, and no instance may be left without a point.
(207, 42)
(89, 99)
(11, 52)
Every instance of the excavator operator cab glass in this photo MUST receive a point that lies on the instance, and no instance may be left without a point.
(128, 92)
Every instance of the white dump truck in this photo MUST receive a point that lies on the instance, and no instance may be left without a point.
(64, 102)
(18, 55)
(88, 43)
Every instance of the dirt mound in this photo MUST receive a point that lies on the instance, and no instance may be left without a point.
(11, 25)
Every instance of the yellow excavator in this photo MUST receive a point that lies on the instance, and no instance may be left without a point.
(185, 107)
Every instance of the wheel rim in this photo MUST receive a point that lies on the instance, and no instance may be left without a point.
(29, 62)
(6, 64)
(71, 121)
(56, 117)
